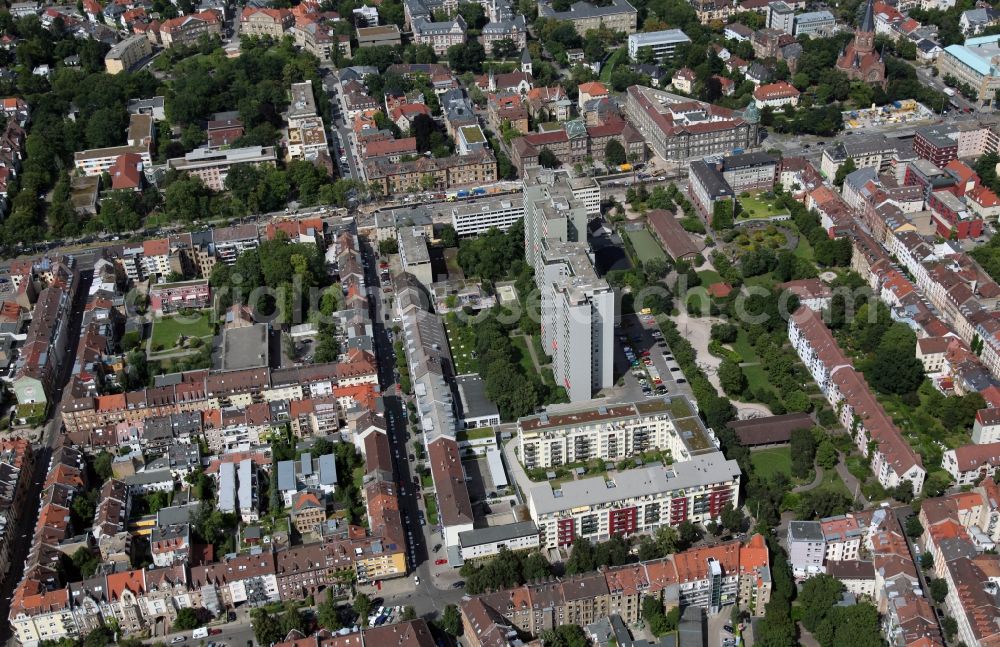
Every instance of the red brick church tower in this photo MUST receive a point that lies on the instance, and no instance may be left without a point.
(859, 60)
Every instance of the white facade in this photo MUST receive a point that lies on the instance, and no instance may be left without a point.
(662, 43)
(479, 216)
(487, 542)
(610, 433)
(635, 501)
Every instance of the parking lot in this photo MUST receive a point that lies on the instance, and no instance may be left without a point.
(642, 357)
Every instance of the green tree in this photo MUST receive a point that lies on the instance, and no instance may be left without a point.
(652, 613)
(266, 628)
(449, 238)
(328, 615)
(950, 627)
(102, 465)
(565, 636)
(409, 613)
(732, 518)
(548, 159)
(466, 57)
(803, 452)
(817, 597)
(582, 558)
(614, 153)
(939, 589)
(362, 606)
(186, 620)
(913, 527)
(731, 377)
(827, 455)
(451, 620)
(843, 171)
(688, 533)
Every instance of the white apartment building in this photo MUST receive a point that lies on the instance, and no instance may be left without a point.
(140, 137)
(986, 428)
(892, 459)
(414, 255)
(634, 501)
(476, 217)
(613, 432)
(587, 191)
(842, 535)
(578, 320)
(806, 548)
(551, 211)
(578, 307)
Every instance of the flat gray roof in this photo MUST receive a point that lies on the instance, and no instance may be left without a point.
(699, 471)
(227, 487)
(413, 246)
(805, 531)
(585, 10)
(472, 394)
(245, 347)
(493, 534)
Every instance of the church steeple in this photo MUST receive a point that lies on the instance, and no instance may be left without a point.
(864, 36)
(867, 23)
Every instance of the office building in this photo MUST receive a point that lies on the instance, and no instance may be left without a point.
(679, 129)
(472, 218)
(815, 23)
(974, 65)
(662, 43)
(618, 15)
(212, 166)
(377, 36)
(781, 17)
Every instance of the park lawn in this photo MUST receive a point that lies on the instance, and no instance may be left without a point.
(804, 250)
(524, 357)
(462, 342)
(708, 277)
(768, 462)
(765, 281)
(755, 206)
(609, 67)
(833, 482)
(756, 376)
(432, 509)
(451, 263)
(167, 330)
(646, 247)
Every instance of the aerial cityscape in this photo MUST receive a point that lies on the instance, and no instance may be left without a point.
(500, 323)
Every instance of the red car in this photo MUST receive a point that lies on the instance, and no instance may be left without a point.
(439, 562)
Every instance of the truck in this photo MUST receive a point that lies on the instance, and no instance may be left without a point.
(463, 194)
(949, 91)
(625, 167)
(200, 632)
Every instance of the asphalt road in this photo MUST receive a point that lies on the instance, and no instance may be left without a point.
(42, 455)
(426, 599)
